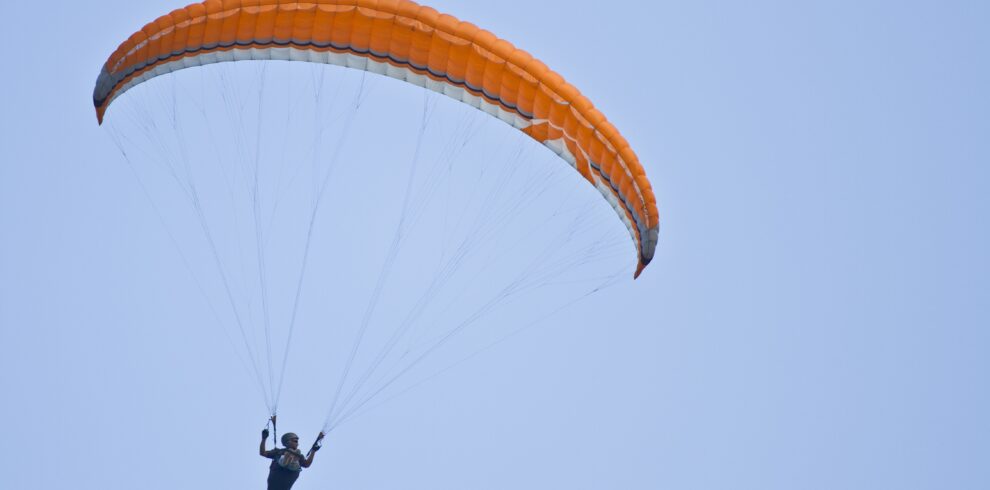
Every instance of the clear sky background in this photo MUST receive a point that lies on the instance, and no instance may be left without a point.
(816, 316)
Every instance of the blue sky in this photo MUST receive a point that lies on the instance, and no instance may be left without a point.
(816, 316)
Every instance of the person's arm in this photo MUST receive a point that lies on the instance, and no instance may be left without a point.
(261, 448)
(312, 452)
(308, 461)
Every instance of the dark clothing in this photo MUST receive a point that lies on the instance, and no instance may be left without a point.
(285, 468)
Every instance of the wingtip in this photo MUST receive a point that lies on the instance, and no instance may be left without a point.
(639, 270)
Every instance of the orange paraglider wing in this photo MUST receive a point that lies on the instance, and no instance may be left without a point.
(410, 42)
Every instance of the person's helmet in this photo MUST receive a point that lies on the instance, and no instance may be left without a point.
(287, 436)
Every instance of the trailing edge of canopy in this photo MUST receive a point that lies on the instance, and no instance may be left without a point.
(410, 42)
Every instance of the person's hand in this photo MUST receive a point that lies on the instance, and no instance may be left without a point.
(264, 434)
(317, 444)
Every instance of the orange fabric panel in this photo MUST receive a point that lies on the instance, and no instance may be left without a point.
(390, 6)
(474, 68)
(596, 151)
(583, 135)
(360, 37)
(480, 57)
(214, 23)
(582, 162)
(459, 50)
(228, 30)
(539, 132)
(180, 19)
(164, 40)
(247, 22)
(400, 43)
(419, 51)
(511, 82)
(382, 27)
(402, 8)
(343, 22)
(607, 165)
(305, 23)
(494, 71)
(284, 23)
(437, 61)
(516, 61)
(323, 25)
(264, 27)
(564, 117)
(196, 29)
(143, 45)
(560, 109)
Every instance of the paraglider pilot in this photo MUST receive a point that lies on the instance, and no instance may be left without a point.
(287, 462)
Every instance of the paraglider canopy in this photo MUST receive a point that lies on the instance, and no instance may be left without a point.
(410, 42)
